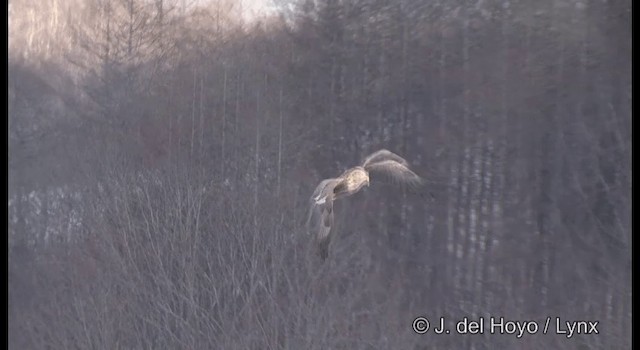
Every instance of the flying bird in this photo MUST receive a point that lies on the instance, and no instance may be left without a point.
(383, 162)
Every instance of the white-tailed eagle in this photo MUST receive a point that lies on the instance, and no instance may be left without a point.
(384, 162)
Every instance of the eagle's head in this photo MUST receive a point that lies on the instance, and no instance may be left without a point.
(359, 177)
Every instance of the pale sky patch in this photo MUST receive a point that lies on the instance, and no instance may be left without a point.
(254, 9)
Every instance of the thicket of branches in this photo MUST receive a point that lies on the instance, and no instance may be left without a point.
(161, 156)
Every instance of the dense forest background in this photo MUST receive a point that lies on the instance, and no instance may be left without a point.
(162, 154)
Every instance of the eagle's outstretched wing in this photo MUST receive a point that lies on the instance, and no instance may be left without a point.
(320, 218)
(396, 171)
(382, 155)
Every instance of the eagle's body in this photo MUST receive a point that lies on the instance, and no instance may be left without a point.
(354, 180)
(351, 181)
